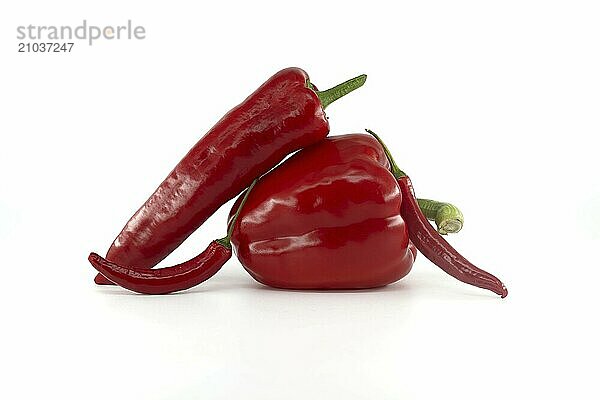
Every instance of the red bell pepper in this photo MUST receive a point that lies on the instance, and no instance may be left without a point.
(283, 115)
(327, 218)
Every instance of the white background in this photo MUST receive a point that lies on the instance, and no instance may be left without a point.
(493, 106)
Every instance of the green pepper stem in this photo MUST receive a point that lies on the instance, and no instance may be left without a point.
(448, 218)
(396, 171)
(226, 241)
(330, 95)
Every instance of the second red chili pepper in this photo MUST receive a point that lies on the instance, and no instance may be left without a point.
(431, 244)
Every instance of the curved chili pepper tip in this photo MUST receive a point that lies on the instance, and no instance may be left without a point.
(435, 248)
(165, 280)
(93, 256)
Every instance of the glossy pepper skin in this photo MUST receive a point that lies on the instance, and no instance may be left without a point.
(165, 280)
(171, 279)
(283, 115)
(327, 218)
(438, 250)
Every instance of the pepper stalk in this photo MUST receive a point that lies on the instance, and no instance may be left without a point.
(332, 94)
(447, 217)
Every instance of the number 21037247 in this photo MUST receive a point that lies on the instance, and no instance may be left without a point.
(45, 47)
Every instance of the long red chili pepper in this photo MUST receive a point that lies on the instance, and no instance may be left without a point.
(429, 242)
(171, 279)
(283, 115)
